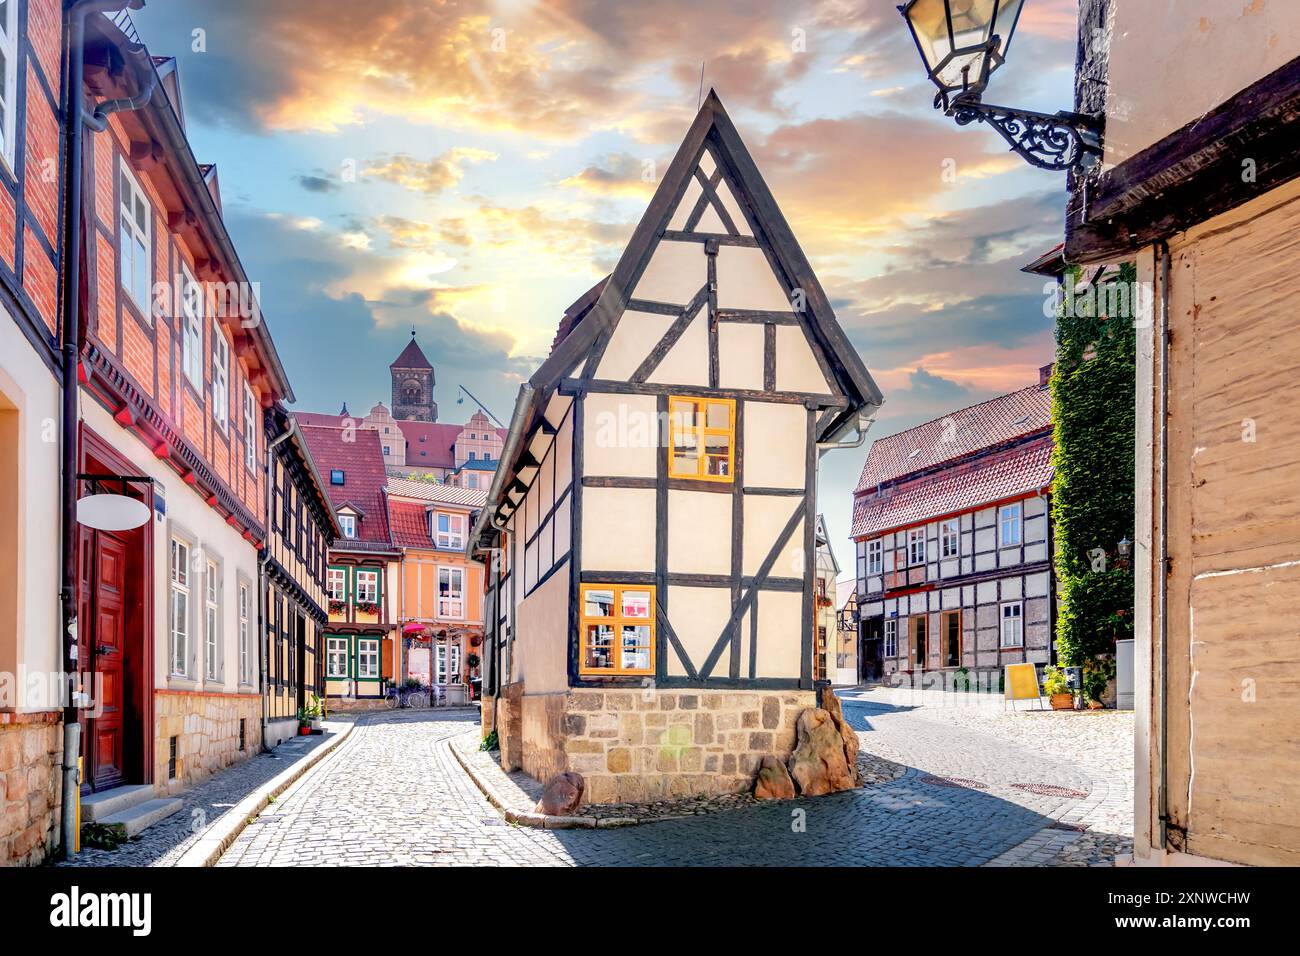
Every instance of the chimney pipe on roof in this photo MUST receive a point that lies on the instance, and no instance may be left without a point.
(1045, 374)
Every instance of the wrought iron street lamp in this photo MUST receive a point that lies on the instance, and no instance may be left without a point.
(962, 43)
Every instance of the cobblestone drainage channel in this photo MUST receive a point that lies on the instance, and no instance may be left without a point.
(1050, 790)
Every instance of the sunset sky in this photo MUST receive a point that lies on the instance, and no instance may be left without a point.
(470, 168)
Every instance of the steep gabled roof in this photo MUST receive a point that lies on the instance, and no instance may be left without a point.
(436, 493)
(364, 485)
(958, 434)
(712, 126)
(411, 357)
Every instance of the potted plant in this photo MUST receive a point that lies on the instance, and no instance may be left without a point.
(315, 711)
(1057, 688)
(304, 722)
(1097, 674)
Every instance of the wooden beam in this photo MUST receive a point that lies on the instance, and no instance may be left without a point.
(675, 331)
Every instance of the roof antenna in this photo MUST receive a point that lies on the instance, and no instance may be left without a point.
(700, 99)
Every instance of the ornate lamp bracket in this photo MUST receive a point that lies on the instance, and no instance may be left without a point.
(1059, 141)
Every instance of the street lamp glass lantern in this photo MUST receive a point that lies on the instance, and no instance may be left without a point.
(962, 41)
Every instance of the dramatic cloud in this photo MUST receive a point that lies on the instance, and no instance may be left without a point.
(431, 176)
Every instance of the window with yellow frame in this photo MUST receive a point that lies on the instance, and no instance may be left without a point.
(703, 438)
(618, 629)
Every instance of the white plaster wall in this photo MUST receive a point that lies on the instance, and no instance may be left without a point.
(740, 355)
(676, 271)
(796, 366)
(765, 517)
(698, 616)
(687, 362)
(620, 435)
(775, 442)
(1172, 61)
(699, 532)
(733, 208)
(191, 517)
(618, 529)
(541, 648)
(780, 634)
(684, 208)
(31, 388)
(746, 281)
(634, 336)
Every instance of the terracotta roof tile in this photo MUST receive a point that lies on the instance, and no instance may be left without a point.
(410, 524)
(364, 481)
(1003, 474)
(437, 493)
(956, 435)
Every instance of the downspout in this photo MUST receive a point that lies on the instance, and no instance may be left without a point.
(73, 115)
(264, 645)
(1162, 568)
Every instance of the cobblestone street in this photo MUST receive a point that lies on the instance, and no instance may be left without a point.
(982, 787)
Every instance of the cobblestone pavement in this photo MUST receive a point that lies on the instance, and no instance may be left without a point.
(392, 794)
(203, 804)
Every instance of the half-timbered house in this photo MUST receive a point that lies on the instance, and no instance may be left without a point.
(361, 652)
(954, 544)
(301, 524)
(650, 531)
(177, 367)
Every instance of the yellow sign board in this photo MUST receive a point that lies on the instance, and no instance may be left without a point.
(1021, 683)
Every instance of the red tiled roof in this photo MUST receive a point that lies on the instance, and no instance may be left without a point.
(1001, 475)
(411, 357)
(437, 450)
(410, 524)
(956, 435)
(364, 481)
(578, 311)
(437, 493)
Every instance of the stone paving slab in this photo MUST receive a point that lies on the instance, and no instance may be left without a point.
(207, 803)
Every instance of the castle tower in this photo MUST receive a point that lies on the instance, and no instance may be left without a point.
(413, 382)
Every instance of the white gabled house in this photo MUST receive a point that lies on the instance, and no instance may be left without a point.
(649, 533)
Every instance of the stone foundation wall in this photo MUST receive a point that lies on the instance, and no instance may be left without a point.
(207, 730)
(354, 705)
(31, 756)
(636, 746)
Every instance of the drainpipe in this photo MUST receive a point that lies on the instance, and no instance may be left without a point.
(264, 645)
(74, 97)
(1162, 568)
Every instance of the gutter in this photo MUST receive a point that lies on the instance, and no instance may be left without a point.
(73, 118)
(1162, 568)
(514, 439)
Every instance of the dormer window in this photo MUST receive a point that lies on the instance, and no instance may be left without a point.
(348, 525)
(336, 476)
(448, 530)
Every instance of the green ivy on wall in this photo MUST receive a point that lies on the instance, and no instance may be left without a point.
(1093, 393)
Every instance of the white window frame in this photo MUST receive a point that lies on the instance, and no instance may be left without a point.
(453, 605)
(9, 84)
(211, 620)
(339, 576)
(334, 646)
(348, 525)
(191, 319)
(443, 676)
(915, 554)
(362, 590)
(1012, 612)
(453, 539)
(891, 637)
(129, 229)
(245, 648)
(178, 607)
(220, 379)
(1010, 517)
(950, 533)
(251, 419)
(876, 556)
(367, 657)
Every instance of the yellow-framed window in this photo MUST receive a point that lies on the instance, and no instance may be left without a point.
(703, 438)
(618, 629)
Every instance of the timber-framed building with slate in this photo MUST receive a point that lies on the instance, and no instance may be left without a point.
(952, 530)
(649, 533)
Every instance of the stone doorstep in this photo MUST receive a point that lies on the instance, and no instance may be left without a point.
(97, 807)
(207, 849)
(139, 816)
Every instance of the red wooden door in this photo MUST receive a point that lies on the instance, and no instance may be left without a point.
(107, 651)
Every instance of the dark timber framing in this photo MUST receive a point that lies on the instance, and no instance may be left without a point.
(571, 370)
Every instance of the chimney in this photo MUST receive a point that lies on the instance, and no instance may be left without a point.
(1045, 374)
